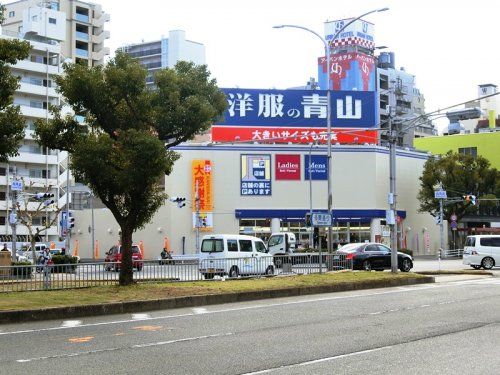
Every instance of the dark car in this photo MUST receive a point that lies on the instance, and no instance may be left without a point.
(373, 256)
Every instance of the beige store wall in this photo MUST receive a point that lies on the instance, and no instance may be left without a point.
(360, 180)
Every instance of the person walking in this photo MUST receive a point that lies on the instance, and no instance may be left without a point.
(44, 261)
(5, 247)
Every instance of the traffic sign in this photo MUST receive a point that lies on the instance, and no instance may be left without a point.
(453, 217)
(453, 225)
(440, 194)
(16, 185)
(319, 219)
(13, 218)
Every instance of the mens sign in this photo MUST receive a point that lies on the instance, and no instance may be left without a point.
(317, 168)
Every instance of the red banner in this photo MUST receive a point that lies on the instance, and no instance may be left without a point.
(293, 135)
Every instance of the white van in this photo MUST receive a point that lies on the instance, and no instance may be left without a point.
(482, 251)
(234, 255)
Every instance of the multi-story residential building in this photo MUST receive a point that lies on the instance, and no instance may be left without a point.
(490, 108)
(400, 98)
(165, 53)
(82, 35)
(39, 168)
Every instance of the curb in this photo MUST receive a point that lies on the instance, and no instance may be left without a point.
(18, 316)
(467, 273)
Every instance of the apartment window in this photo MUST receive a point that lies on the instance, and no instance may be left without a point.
(36, 81)
(12, 14)
(52, 20)
(2, 195)
(2, 220)
(30, 125)
(472, 151)
(3, 171)
(38, 104)
(34, 18)
(39, 173)
(38, 59)
(47, 83)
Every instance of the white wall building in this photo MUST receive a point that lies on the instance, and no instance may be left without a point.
(360, 180)
(78, 25)
(34, 164)
(165, 53)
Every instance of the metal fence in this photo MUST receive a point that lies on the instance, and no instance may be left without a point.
(81, 275)
(450, 253)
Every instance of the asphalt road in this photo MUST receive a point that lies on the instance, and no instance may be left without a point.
(451, 327)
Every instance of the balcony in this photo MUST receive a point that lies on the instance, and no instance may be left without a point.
(28, 88)
(82, 17)
(33, 112)
(26, 157)
(81, 52)
(23, 231)
(36, 67)
(82, 36)
(100, 54)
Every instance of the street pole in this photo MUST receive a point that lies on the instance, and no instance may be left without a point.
(311, 228)
(13, 224)
(68, 230)
(441, 229)
(392, 197)
(329, 105)
(93, 230)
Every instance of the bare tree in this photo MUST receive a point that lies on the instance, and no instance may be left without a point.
(31, 206)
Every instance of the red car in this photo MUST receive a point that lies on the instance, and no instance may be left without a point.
(114, 258)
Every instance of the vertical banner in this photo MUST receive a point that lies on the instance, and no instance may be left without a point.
(255, 175)
(202, 177)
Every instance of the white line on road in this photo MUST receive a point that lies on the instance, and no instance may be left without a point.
(316, 361)
(417, 288)
(140, 316)
(137, 346)
(71, 323)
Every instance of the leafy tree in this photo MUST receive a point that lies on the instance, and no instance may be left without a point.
(459, 175)
(123, 153)
(11, 121)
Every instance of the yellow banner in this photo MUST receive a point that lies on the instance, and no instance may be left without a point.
(492, 119)
(202, 176)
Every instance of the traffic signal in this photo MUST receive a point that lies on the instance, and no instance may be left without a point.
(70, 223)
(204, 221)
(180, 201)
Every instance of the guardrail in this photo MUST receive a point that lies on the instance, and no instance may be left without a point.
(449, 253)
(81, 275)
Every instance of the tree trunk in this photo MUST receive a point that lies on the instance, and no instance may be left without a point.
(33, 250)
(126, 270)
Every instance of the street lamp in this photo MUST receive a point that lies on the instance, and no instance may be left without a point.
(329, 106)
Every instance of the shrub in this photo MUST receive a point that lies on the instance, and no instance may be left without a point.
(22, 270)
(63, 263)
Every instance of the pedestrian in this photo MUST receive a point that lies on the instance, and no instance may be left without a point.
(63, 251)
(5, 247)
(44, 261)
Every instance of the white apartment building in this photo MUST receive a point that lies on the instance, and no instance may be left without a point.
(77, 25)
(165, 53)
(398, 92)
(34, 164)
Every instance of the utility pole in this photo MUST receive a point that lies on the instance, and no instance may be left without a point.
(13, 217)
(392, 196)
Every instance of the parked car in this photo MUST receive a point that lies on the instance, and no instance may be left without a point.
(234, 255)
(373, 256)
(482, 251)
(114, 257)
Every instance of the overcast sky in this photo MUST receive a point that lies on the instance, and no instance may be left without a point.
(451, 46)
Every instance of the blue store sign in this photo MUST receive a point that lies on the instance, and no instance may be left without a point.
(319, 167)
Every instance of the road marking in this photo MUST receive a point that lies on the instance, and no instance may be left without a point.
(200, 310)
(140, 316)
(148, 328)
(71, 323)
(81, 339)
(137, 346)
(417, 288)
(316, 361)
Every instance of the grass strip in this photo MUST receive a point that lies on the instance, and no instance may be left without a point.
(147, 291)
